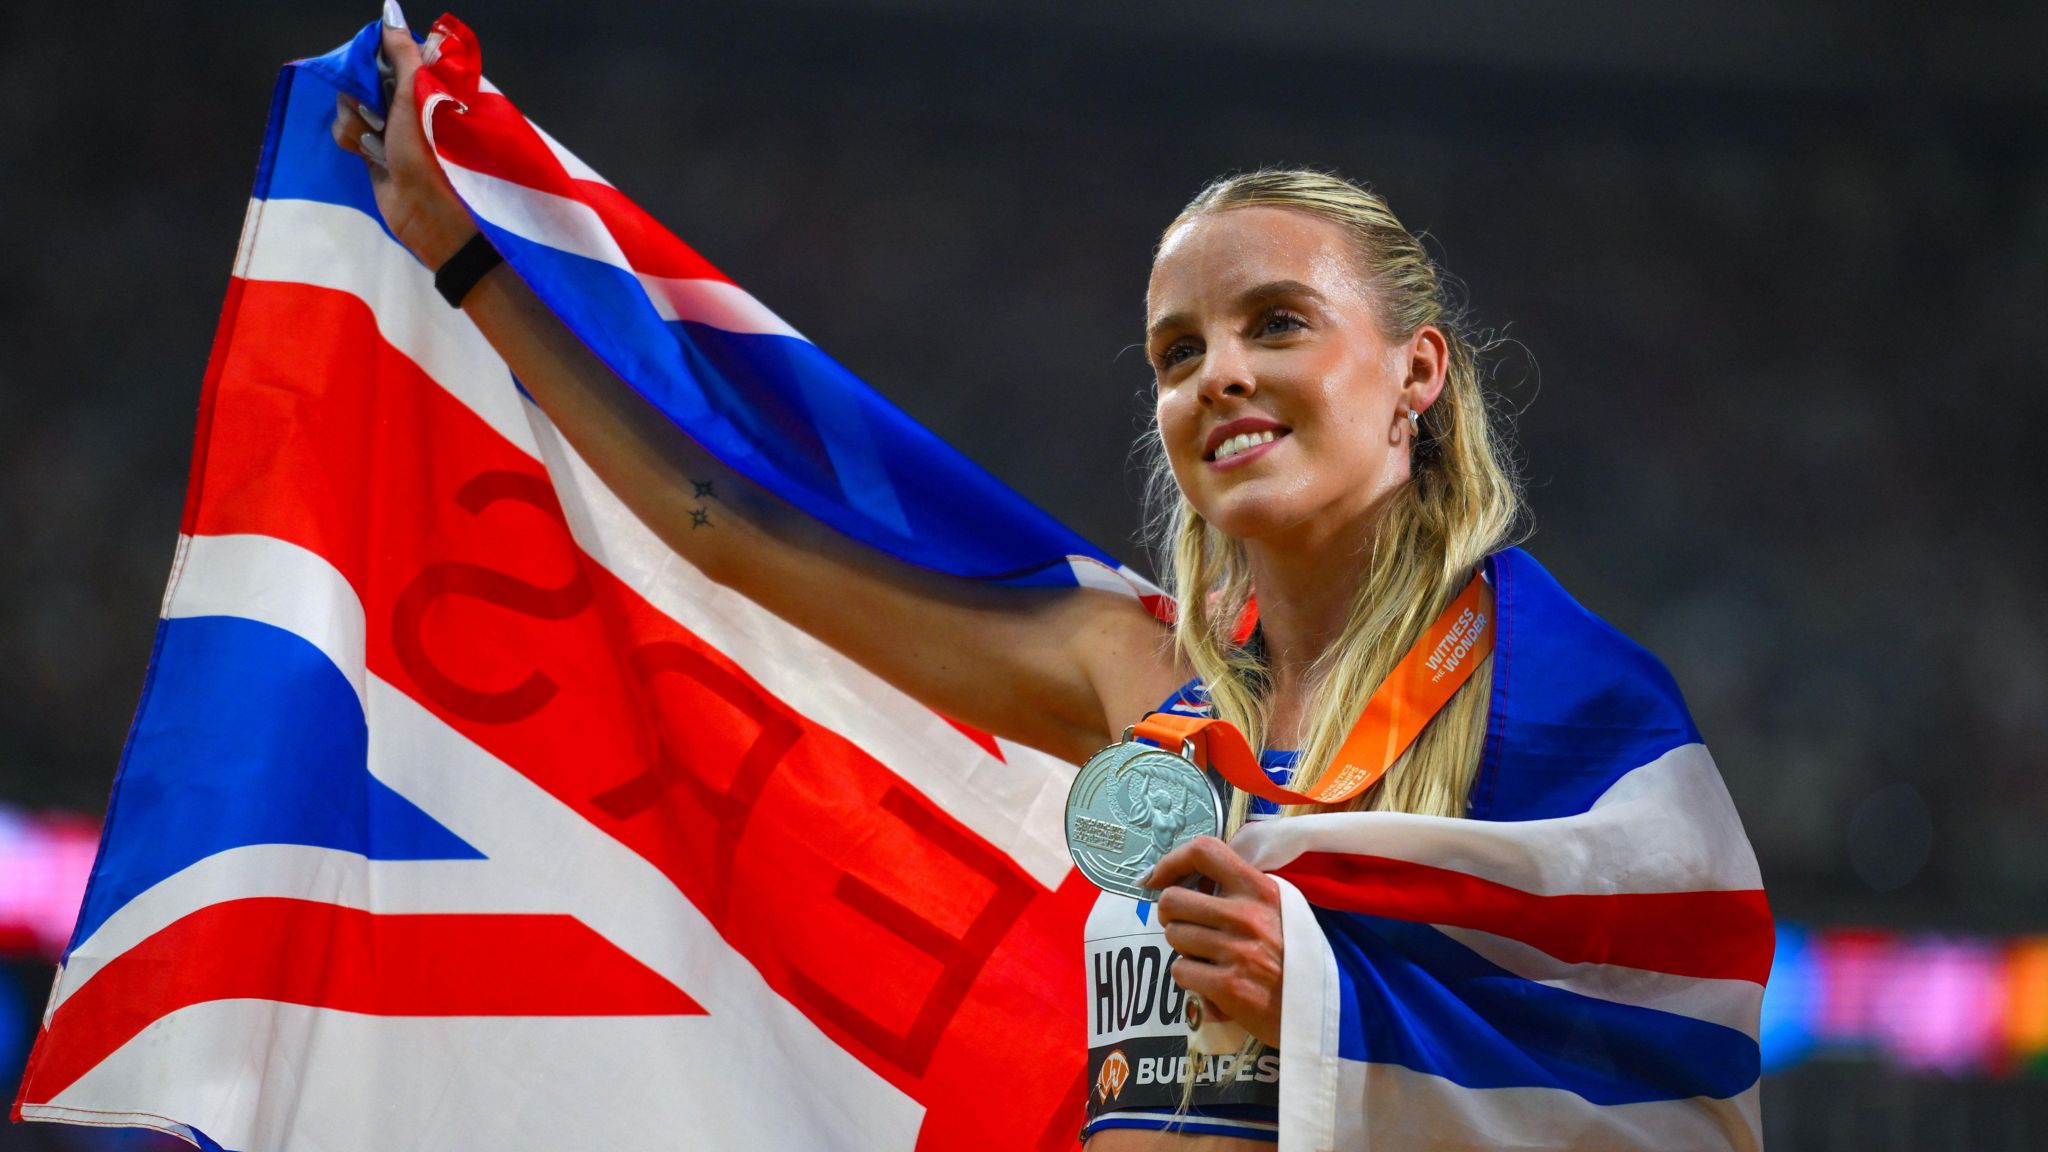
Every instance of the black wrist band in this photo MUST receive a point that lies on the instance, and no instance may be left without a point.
(469, 264)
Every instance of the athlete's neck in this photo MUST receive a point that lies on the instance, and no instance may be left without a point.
(1305, 595)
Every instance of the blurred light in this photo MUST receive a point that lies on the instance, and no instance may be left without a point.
(2026, 1005)
(1942, 1002)
(44, 863)
(1792, 1001)
(1855, 974)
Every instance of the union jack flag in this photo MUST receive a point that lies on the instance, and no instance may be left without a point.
(460, 812)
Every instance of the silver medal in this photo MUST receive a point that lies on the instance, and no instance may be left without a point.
(1132, 804)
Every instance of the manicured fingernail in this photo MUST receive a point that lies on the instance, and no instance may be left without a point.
(369, 117)
(431, 51)
(373, 147)
(394, 16)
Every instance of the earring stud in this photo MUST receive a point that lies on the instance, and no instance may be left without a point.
(1414, 422)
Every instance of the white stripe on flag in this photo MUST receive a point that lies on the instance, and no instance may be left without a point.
(572, 226)
(619, 1083)
(1311, 1020)
(1667, 826)
(542, 217)
(718, 303)
(1729, 1003)
(273, 582)
(1402, 1108)
(293, 872)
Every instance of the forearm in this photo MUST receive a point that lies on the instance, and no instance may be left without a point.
(990, 655)
(651, 465)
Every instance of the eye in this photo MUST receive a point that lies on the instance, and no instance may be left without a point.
(1173, 354)
(1279, 322)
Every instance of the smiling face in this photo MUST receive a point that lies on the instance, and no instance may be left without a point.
(1281, 405)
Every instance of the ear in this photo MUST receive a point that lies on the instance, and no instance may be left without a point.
(1429, 367)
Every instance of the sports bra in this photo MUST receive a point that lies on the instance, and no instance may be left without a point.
(1137, 1040)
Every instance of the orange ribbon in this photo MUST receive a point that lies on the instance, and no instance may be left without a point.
(1413, 693)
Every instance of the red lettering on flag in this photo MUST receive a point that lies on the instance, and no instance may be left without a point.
(819, 865)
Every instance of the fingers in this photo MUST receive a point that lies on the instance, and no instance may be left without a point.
(1204, 952)
(1253, 1001)
(1242, 976)
(404, 57)
(1210, 857)
(1204, 942)
(353, 125)
(1235, 986)
(1236, 915)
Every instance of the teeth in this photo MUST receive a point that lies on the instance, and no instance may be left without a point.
(1243, 442)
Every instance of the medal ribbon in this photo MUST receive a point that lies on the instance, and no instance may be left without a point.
(1411, 696)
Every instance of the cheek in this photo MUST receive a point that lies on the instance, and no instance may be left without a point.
(1353, 405)
(1176, 422)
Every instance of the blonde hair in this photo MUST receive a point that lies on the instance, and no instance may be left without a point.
(1460, 503)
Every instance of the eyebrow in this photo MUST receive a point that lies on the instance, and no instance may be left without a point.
(1259, 295)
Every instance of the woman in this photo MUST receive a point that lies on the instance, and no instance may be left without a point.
(1321, 424)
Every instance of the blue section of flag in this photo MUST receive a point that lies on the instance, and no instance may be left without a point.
(249, 735)
(1576, 705)
(302, 162)
(352, 67)
(1412, 996)
(781, 412)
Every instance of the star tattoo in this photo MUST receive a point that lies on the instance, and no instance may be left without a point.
(700, 518)
(704, 490)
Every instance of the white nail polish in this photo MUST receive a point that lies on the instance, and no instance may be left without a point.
(394, 16)
(371, 118)
(374, 149)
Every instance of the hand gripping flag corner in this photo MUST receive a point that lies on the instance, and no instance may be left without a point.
(458, 812)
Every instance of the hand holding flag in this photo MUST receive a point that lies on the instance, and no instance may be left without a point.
(413, 196)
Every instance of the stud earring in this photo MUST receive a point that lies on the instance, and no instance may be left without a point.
(1414, 423)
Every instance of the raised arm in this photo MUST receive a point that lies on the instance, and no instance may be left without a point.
(1058, 670)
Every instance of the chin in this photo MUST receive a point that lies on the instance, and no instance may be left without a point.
(1245, 518)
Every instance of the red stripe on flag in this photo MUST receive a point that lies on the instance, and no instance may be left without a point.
(328, 956)
(986, 742)
(223, 336)
(493, 138)
(912, 942)
(1710, 935)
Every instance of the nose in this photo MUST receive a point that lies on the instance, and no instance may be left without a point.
(1226, 373)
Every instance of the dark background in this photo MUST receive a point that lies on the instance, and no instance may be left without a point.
(1775, 277)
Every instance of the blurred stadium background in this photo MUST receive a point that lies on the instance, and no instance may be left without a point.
(1775, 275)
